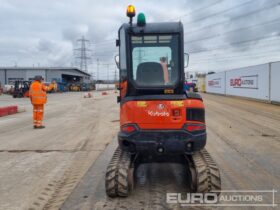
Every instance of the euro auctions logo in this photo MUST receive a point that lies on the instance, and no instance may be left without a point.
(238, 198)
(250, 82)
(192, 198)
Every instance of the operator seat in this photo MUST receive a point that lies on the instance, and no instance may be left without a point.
(149, 74)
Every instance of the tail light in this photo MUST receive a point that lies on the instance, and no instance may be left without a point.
(195, 114)
(195, 127)
(128, 128)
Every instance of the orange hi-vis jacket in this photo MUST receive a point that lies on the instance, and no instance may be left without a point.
(165, 72)
(37, 93)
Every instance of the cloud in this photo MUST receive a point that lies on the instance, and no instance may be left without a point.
(45, 32)
(59, 53)
(72, 33)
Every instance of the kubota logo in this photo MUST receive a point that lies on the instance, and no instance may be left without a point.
(158, 114)
(160, 106)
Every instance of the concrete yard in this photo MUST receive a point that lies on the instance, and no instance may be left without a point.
(63, 165)
(36, 165)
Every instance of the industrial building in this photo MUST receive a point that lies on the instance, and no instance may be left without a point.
(61, 74)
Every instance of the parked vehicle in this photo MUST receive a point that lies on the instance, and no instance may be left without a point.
(191, 87)
(21, 89)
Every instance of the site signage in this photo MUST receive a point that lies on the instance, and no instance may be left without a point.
(215, 83)
(250, 81)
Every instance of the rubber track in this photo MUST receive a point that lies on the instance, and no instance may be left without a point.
(208, 174)
(116, 182)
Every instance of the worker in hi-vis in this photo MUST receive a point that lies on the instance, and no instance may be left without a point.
(38, 98)
(164, 65)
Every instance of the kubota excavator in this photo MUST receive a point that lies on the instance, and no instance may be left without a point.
(159, 121)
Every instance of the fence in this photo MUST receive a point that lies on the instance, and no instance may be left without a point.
(105, 86)
(259, 82)
(275, 82)
(215, 83)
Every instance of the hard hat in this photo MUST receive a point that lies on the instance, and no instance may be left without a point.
(38, 78)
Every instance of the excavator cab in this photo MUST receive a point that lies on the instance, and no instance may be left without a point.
(151, 58)
(152, 96)
(159, 121)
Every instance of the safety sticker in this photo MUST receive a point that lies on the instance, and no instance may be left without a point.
(142, 104)
(177, 103)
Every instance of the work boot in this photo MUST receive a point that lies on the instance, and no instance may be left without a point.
(39, 127)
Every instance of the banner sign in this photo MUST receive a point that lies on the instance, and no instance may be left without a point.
(250, 82)
(215, 83)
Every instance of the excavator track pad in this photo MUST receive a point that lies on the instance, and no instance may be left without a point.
(204, 173)
(120, 174)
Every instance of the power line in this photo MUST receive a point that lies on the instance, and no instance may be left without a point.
(104, 42)
(241, 55)
(235, 43)
(106, 56)
(112, 64)
(209, 26)
(244, 58)
(214, 35)
(218, 13)
(104, 51)
(238, 57)
(101, 48)
(202, 8)
(232, 31)
(193, 65)
(102, 62)
(235, 18)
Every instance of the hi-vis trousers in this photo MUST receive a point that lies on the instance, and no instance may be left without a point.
(38, 114)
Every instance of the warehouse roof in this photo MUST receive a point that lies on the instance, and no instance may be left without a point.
(44, 68)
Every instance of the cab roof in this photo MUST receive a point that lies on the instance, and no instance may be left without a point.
(163, 27)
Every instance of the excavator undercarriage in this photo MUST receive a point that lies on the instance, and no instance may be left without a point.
(203, 173)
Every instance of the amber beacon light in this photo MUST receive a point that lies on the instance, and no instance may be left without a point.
(130, 12)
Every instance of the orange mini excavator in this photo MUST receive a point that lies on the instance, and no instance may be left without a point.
(159, 121)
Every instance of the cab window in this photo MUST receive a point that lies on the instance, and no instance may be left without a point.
(155, 60)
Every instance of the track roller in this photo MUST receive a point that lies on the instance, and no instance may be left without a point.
(119, 178)
(204, 173)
